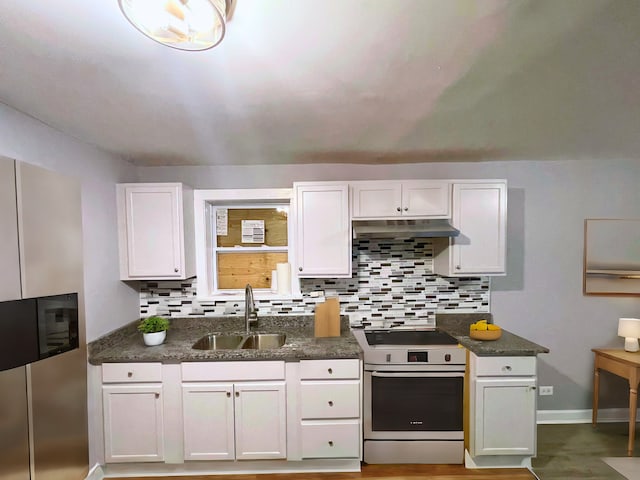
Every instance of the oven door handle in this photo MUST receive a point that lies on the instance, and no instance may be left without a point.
(417, 374)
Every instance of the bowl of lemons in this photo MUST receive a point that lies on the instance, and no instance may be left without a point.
(481, 330)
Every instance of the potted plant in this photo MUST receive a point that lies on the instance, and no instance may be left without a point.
(154, 329)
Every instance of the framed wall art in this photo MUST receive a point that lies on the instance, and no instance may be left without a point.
(611, 256)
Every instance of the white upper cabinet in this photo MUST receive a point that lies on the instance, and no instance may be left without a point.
(323, 229)
(480, 213)
(406, 199)
(155, 223)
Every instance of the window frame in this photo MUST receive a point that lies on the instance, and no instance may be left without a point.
(204, 203)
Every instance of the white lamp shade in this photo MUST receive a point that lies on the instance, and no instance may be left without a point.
(629, 328)
(181, 24)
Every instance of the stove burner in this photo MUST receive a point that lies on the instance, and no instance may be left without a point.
(409, 337)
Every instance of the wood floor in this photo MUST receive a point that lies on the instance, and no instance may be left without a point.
(379, 472)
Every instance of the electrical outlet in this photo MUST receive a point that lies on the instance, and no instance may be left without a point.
(547, 390)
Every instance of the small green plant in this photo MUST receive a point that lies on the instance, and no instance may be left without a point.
(153, 324)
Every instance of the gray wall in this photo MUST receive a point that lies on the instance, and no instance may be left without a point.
(109, 303)
(541, 296)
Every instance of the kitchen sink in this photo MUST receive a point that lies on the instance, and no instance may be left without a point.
(218, 342)
(257, 341)
(264, 341)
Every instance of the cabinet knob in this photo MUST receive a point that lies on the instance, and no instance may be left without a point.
(228, 394)
(330, 403)
(457, 267)
(330, 443)
(507, 368)
(406, 209)
(300, 268)
(330, 370)
(129, 374)
(399, 209)
(176, 270)
(237, 394)
(157, 395)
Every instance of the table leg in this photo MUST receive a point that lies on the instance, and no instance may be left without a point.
(633, 405)
(596, 388)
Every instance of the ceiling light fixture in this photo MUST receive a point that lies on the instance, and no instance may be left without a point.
(182, 24)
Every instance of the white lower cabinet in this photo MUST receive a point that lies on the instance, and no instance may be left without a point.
(502, 427)
(217, 414)
(330, 408)
(242, 420)
(133, 413)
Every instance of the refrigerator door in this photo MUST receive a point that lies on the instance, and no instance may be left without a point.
(59, 416)
(9, 257)
(14, 425)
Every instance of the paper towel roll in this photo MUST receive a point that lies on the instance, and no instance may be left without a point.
(284, 278)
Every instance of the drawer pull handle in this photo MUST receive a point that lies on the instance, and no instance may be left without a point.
(330, 370)
(129, 374)
(330, 403)
(507, 368)
(331, 443)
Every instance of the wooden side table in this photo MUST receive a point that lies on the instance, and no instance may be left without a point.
(625, 365)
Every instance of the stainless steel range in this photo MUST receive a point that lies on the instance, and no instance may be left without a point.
(413, 394)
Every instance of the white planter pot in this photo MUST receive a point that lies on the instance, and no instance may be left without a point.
(156, 338)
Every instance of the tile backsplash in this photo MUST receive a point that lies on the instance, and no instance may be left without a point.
(392, 284)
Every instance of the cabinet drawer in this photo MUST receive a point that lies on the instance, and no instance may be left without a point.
(131, 372)
(505, 366)
(330, 439)
(338, 399)
(329, 369)
(232, 371)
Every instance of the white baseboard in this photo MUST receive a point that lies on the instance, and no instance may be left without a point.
(95, 473)
(606, 415)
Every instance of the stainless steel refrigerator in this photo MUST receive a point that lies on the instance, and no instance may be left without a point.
(43, 405)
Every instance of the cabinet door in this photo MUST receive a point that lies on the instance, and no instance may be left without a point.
(208, 421)
(480, 213)
(261, 426)
(151, 220)
(323, 247)
(505, 416)
(133, 425)
(426, 199)
(376, 199)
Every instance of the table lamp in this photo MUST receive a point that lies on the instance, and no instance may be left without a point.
(629, 328)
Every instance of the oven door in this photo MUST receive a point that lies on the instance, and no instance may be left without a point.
(412, 405)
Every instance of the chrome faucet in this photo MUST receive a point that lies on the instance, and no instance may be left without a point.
(250, 312)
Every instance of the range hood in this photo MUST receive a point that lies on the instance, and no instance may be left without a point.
(403, 228)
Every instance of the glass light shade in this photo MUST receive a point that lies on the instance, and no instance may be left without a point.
(182, 24)
(629, 328)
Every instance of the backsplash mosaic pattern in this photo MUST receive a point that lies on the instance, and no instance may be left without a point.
(393, 285)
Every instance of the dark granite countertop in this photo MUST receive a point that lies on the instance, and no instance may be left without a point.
(125, 344)
(508, 345)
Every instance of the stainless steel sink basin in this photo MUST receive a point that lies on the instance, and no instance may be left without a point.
(257, 341)
(264, 341)
(218, 342)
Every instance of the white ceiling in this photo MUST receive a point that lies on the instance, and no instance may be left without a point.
(362, 81)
